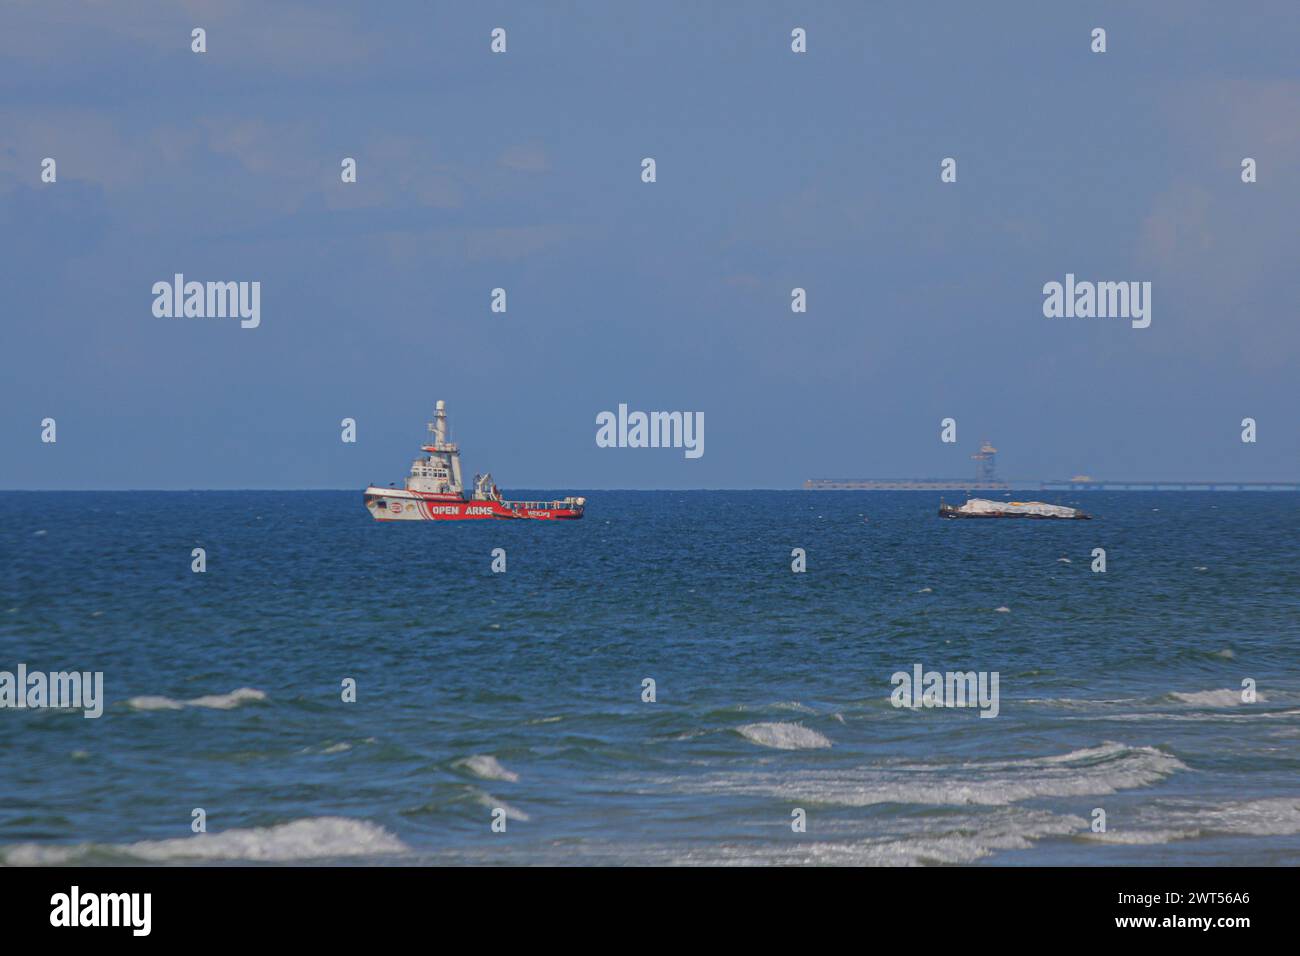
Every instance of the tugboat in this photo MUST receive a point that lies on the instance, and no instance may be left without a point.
(983, 508)
(433, 490)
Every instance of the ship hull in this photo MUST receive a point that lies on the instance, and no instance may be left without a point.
(957, 514)
(393, 504)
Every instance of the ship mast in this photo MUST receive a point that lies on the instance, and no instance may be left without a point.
(439, 425)
(440, 471)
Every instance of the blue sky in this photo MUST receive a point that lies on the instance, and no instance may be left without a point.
(522, 171)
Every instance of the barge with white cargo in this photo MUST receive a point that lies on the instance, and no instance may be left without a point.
(983, 508)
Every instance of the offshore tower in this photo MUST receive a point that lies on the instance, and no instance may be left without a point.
(985, 479)
(986, 462)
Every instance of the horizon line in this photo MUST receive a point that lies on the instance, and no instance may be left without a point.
(1020, 485)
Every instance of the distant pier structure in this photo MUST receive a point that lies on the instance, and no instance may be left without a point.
(986, 462)
(1084, 483)
(986, 479)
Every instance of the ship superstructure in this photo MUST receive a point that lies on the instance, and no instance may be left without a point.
(434, 490)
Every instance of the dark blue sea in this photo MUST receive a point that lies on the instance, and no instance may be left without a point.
(518, 696)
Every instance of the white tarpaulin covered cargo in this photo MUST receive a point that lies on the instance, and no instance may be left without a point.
(982, 506)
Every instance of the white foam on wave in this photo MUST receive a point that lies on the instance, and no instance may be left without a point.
(306, 839)
(1223, 715)
(154, 703)
(953, 837)
(227, 701)
(969, 840)
(937, 841)
(783, 736)
(1107, 768)
(213, 701)
(1227, 697)
(790, 705)
(1141, 837)
(489, 768)
(1277, 816)
(1080, 701)
(487, 800)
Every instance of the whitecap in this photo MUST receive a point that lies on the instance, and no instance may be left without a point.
(154, 703)
(791, 705)
(783, 736)
(1130, 837)
(1107, 768)
(943, 840)
(950, 838)
(212, 701)
(227, 701)
(1163, 823)
(511, 813)
(305, 839)
(1227, 697)
(488, 767)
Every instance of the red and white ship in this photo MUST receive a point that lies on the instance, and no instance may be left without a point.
(433, 490)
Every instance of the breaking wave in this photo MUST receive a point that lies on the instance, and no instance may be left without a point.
(214, 701)
(306, 839)
(488, 767)
(783, 736)
(1164, 824)
(1228, 697)
(511, 813)
(953, 838)
(1104, 769)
